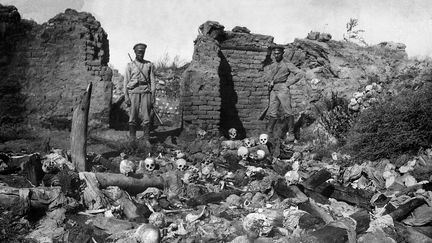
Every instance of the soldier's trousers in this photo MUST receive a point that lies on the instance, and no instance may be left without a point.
(280, 96)
(139, 113)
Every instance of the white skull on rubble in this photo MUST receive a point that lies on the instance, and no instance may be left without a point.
(179, 154)
(243, 152)
(358, 95)
(191, 176)
(232, 133)
(181, 164)
(260, 154)
(127, 167)
(201, 133)
(150, 164)
(263, 138)
(248, 142)
(208, 160)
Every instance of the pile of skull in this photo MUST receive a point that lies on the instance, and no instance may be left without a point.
(251, 148)
(152, 165)
(247, 150)
(363, 100)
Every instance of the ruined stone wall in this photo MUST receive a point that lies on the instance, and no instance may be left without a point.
(47, 67)
(200, 88)
(243, 90)
(223, 86)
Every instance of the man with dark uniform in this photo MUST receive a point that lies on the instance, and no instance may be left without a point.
(140, 86)
(281, 75)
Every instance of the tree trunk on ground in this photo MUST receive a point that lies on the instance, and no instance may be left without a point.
(129, 184)
(79, 131)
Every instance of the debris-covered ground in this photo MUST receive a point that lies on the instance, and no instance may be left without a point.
(210, 189)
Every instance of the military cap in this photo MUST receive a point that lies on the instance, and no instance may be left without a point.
(140, 44)
(278, 47)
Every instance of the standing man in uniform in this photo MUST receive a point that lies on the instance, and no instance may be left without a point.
(280, 77)
(140, 86)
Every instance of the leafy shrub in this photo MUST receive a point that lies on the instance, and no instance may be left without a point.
(336, 117)
(14, 132)
(401, 124)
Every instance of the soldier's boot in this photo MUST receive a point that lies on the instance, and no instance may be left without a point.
(270, 126)
(132, 132)
(146, 135)
(274, 145)
(290, 136)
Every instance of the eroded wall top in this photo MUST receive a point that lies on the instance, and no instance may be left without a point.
(45, 68)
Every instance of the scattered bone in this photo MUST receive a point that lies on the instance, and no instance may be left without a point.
(263, 139)
(232, 132)
(126, 166)
(181, 164)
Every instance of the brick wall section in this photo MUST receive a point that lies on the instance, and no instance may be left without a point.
(223, 86)
(200, 94)
(50, 65)
(246, 55)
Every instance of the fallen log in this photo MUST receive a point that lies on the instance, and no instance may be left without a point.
(129, 184)
(79, 131)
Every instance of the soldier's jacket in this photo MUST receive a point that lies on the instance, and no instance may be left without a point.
(279, 72)
(135, 82)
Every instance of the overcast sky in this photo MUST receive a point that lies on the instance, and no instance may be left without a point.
(170, 26)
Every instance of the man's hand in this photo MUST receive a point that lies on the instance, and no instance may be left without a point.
(153, 98)
(127, 101)
(270, 86)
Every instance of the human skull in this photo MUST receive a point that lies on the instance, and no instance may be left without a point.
(208, 160)
(201, 133)
(150, 164)
(358, 95)
(260, 154)
(127, 167)
(232, 133)
(353, 101)
(191, 176)
(181, 164)
(263, 138)
(179, 154)
(248, 142)
(157, 219)
(150, 192)
(243, 152)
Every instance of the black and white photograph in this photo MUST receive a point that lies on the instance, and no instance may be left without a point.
(238, 121)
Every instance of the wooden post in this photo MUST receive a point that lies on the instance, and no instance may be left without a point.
(79, 131)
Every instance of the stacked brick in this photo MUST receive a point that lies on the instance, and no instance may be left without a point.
(246, 55)
(52, 64)
(223, 86)
(200, 96)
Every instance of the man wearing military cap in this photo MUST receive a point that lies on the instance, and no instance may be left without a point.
(281, 75)
(139, 89)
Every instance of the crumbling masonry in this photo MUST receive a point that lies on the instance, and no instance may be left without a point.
(45, 68)
(224, 87)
